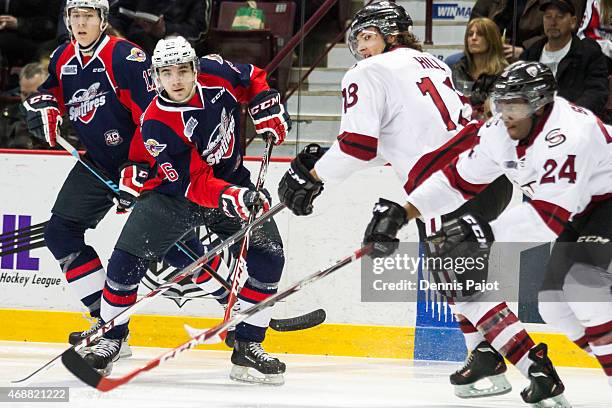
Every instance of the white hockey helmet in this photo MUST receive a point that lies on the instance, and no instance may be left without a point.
(100, 5)
(172, 51)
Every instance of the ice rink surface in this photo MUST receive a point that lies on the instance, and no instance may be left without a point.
(200, 379)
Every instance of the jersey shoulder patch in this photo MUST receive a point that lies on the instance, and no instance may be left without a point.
(129, 51)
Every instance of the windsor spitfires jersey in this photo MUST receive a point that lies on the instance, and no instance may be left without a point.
(399, 107)
(565, 166)
(104, 96)
(197, 144)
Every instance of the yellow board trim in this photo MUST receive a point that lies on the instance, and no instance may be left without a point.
(327, 339)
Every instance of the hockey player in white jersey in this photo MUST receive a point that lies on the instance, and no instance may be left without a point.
(400, 107)
(561, 155)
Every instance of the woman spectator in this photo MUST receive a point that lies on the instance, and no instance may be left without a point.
(482, 62)
(597, 25)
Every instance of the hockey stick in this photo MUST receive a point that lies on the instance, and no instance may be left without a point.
(173, 279)
(301, 322)
(23, 231)
(33, 237)
(241, 260)
(83, 371)
(289, 324)
(31, 245)
(22, 239)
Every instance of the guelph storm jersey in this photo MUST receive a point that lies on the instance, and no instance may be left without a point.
(197, 144)
(564, 166)
(399, 107)
(103, 97)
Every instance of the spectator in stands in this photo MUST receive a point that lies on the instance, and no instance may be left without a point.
(529, 22)
(13, 127)
(597, 25)
(174, 17)
(483, 60)
(24, 25)
(578, 65)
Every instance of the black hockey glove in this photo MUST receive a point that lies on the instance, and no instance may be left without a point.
(42, 115)
(462, 246)
(297, 188)
(387, 219)
(462, 236)
(133, 177)
(270, 115)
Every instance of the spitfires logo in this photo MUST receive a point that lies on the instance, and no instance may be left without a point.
(85, 102)
(154, 147)
(221, 144)
(136, 55)
(113, 138)
(186, 289)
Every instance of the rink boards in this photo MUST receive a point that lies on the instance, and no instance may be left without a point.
(35, 304)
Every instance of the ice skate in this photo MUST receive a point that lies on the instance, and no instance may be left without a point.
(546, 388)
(483, 363)
(77, 336)
(252, 364)
(103, 354)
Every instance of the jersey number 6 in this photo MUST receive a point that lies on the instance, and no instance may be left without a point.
(170, 173)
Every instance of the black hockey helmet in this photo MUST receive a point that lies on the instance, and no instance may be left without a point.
(390, 18)
(531, 81)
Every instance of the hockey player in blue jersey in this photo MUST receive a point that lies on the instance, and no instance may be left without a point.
(102, 84)
(191, 129)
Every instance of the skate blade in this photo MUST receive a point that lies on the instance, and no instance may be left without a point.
(554, 402)
(193, 332)
(499, 385)
(252, 376)
(105, 372)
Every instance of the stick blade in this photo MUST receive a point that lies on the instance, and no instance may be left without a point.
(80, 369)
(312, 319)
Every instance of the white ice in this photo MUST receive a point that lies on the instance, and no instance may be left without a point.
(200, 379)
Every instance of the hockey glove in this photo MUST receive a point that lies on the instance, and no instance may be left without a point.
(297, 188)
(43, 116)
(270, 115)
(462, 236)
(133, 177)
(238, 201)
(387, 219)
(463, 244)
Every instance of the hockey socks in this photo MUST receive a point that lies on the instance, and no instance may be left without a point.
(600, 339)
(254, 328)
(506, 334)
(85, 276)
(471, 334)
(120, 290)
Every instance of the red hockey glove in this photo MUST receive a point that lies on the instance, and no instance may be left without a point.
(133, 177)
(43, 116)
(241, 201)
(270, 115)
